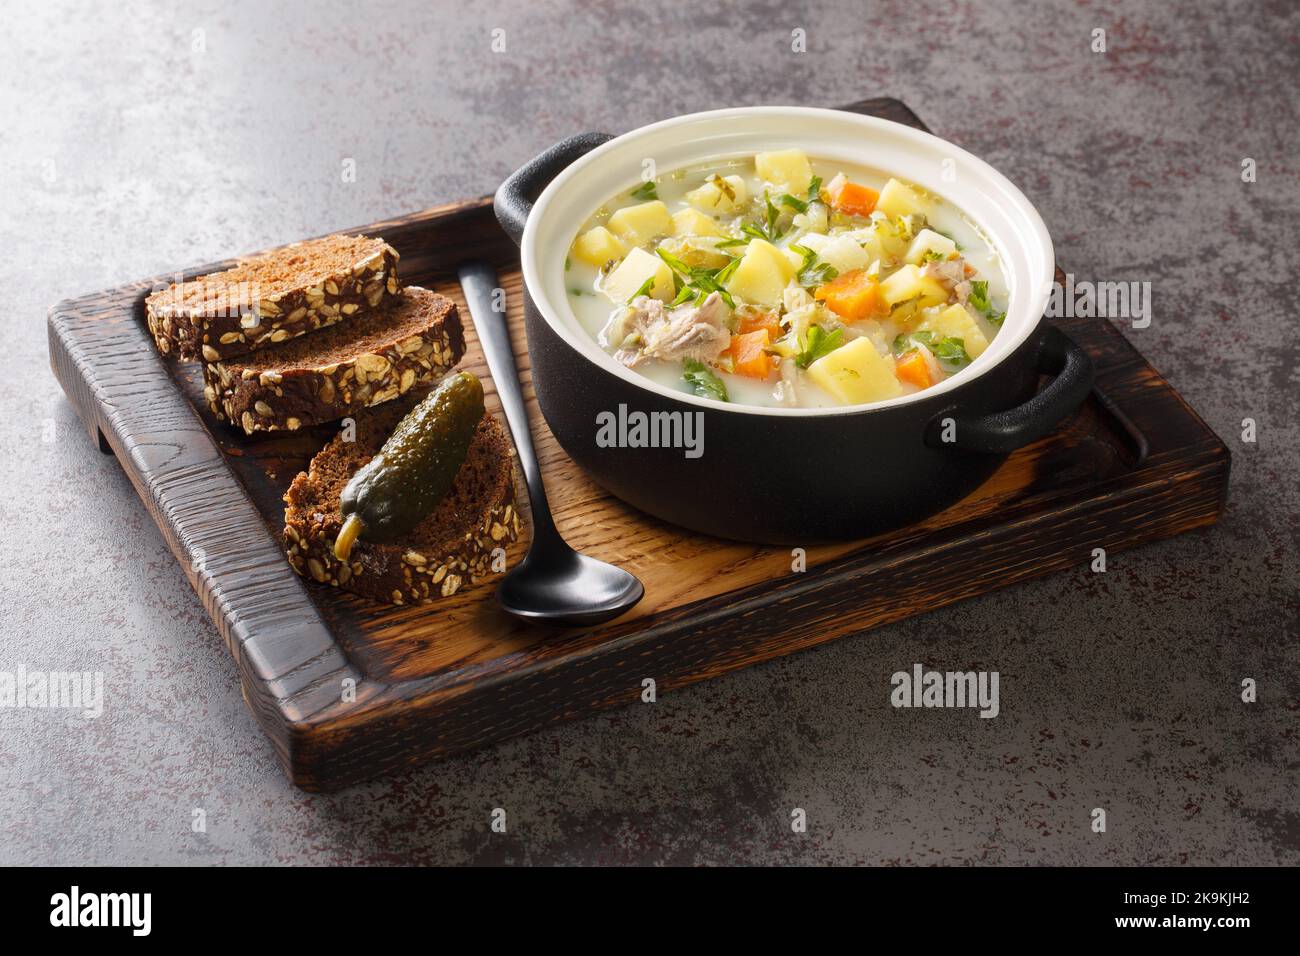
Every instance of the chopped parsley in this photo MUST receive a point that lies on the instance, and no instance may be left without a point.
(949, 352)
(723, 274)
(816, 343)
(773, 214)
(815, 189)
(798, 205)
(673, 262)
(979, 300)
(698, 281)
(811, 272)
(703, 381)
(903, 342)
(768, 228)
(646, 191)
(685, 294)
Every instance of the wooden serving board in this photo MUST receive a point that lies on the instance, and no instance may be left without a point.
(1134, 465)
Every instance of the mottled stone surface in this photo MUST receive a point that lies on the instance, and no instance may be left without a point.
(131, 144)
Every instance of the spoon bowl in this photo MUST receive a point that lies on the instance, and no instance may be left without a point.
(570, 589)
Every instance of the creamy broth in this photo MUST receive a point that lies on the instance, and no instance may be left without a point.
(804, 275)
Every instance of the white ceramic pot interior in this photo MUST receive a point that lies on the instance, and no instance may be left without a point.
(988, 198)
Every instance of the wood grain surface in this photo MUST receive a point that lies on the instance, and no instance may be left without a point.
(1134, 465)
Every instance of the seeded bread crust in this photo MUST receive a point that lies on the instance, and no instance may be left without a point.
(448, 551)
(413, 340)
(222, 315)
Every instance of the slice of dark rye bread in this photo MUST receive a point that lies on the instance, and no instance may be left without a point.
(413, 339)
(272, 298)
(449, 549)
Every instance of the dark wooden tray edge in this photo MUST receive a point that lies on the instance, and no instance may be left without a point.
(261, 665)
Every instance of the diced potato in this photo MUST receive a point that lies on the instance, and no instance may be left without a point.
(787, 168)
(696, 251)
(921, 315)
(842, 252)
(637, 225)
(794, 258)
(927, 240)
(856, 373)
(898, 199)
(905, 315)
(955, 322)
(720, 195)
(692, 222)
(908, 283)
(762, 274)
(597, 246)
(622, 284)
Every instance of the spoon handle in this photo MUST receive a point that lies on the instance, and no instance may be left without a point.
(487, 310)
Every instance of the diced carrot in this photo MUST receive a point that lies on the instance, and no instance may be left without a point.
(853, 296)
(912, 368)
(854, 199)
(753, 321)
(748, 355)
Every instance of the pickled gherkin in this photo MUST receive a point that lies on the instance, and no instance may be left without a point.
(415, 468)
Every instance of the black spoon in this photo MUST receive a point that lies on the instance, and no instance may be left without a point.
(553, 584)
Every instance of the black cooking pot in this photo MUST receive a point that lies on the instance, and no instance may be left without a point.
(765, 475)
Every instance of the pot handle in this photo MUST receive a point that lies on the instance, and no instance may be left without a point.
(1002, 432)
(514, 199)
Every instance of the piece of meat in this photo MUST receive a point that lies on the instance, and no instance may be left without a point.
(626, 324)
(696, 331)
(950, 272)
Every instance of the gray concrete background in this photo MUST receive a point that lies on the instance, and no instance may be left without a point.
(127, 152)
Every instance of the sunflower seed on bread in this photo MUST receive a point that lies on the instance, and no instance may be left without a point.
(272, 298)
(412, 340)
(451, 549)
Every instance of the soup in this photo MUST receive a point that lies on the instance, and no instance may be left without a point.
(783, 281)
